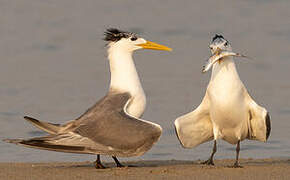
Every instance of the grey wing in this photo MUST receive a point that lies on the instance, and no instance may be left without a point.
(69, 142)
(124, 134)
(106, 128)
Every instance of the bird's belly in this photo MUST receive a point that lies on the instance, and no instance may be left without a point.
(229, 117)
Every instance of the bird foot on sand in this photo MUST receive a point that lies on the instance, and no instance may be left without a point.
(208, 162)
(99, 165)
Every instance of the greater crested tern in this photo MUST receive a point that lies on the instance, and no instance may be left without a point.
(227, 111)
(113, 125)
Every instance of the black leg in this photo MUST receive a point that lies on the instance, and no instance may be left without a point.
(117, 162)
(98, 164)
(210, 160)
(236, 165)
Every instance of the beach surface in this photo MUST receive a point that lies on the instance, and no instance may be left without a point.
(172, 169)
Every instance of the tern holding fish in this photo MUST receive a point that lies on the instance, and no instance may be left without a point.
(227, 111)
(217, 57)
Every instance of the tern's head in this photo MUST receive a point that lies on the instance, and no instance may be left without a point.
(127, 41)
(218, 44)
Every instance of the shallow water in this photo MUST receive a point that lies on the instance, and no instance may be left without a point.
(54, 67)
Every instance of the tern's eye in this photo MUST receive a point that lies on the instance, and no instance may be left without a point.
(134, 38)
(226, 44)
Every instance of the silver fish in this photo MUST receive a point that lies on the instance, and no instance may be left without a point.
(214, 58)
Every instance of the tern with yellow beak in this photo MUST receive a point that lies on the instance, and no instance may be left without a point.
(112, 126)
(227, 111)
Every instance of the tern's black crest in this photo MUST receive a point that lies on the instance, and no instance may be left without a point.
(114, 35)
(217, 36)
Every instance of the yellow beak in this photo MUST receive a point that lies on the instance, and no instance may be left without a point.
(154, 46)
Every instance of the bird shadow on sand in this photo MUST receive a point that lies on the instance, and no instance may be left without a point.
(266, 162)
(131, 164)
(165, 163)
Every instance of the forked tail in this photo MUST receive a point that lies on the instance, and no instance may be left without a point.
(45, 126)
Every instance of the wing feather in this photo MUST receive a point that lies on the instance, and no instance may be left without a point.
(106, 128)
(195, 128)
(113, 126)
(259, 121)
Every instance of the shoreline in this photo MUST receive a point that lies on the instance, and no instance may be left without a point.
(168, 169)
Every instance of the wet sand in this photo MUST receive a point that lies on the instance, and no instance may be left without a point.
(172, 169)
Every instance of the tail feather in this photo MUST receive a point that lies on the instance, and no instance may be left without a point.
(14, 141)
(45, 126)
(40, 143)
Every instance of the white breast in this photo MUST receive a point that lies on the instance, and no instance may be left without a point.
(124, 78)
(138, 104)
(228, 109)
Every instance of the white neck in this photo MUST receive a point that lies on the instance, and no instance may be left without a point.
(225, 80)
(225, 69)
(124, 78)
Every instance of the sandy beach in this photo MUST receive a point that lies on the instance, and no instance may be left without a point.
(173, 169)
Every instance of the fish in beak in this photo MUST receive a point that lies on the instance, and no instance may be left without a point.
(219, 55)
